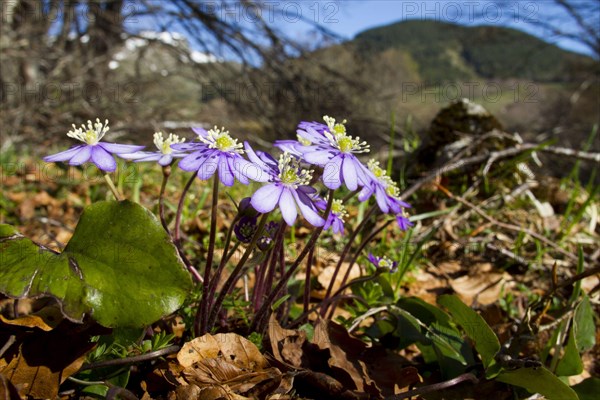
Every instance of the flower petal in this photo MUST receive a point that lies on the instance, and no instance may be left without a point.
(251, 170)
(349, 172)
(165, 160)
(103, 159)
(291, 146)
(287, 205)
(83, 155)
(331, 173)
(266, 198)
(225, 172)
(64, 155)
(208, 167)
(194, 161)
(308, 212)
(365, 193)
(317, 157)
(381, 197)
(119, 148)
(200, 131)
(403, 222)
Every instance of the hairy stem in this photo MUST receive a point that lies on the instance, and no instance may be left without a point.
(161, 198)
(214, 312)
(262, 314)
(112, 187)
(201, 314)
(345, 252)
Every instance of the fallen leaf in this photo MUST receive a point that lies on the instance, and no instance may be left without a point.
(482, 285)
(345, 356)
(42, 361)
(286, 344)
(326, 276)
(46, 319)
(226, 365)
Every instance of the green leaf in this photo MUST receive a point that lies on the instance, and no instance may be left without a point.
(570, 363)
(588, 389)
(429, 326)
(120, 266)
(538, 380)
(486, 341)
(584, 326)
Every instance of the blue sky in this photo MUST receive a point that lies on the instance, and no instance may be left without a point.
(349, 17)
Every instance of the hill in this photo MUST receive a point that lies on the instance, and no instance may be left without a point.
(447, 52)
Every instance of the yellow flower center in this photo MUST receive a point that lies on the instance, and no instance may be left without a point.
(391, 188)
(338, 209)
(337, 137)
(164, 145)
(221, 140)
(290, 172)
(385, 262)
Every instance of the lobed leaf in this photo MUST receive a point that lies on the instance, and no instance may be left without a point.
(120, 266)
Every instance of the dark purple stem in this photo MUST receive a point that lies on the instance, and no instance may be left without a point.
(262, 313)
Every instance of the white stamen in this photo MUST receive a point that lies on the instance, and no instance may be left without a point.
(90, 134)
(220, 139)
(338, 138)
(164, 145)
(290, 172)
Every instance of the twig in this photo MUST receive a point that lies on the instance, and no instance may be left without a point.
(11, 340)
(454, 164)
(507, 226)
(132, 360)
(435, 387)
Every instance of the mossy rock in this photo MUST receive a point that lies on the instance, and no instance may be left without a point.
(459, 120)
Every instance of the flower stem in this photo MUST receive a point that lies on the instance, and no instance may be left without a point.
(343, 284)
(345, 251)
(161, 198)
(177, 230)
(112, 187)
(201, 314)
(262, 314)
(216, 308)
(309, 262)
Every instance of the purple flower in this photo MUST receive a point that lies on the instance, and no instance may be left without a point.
(287, 187)
(100, 153)
(383, 263)
(165, 154)
(335, 219)
(330, 147)
(387, 194)
(245, 228)
(215, 151)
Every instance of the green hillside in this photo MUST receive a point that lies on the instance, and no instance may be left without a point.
(447, 52)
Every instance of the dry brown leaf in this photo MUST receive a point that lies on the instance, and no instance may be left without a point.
(482, 285)
(44, 360)
(286, 344)
(345, 354)
(326, 276)
(227, 365)
(46, 319)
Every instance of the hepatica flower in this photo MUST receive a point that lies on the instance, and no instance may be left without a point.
(165, 154)
(387, 193)
(335, 219)
(383, 263)
(287, 187)
(330, 147)
(215, 151)
(245, 228)
(100, 153)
